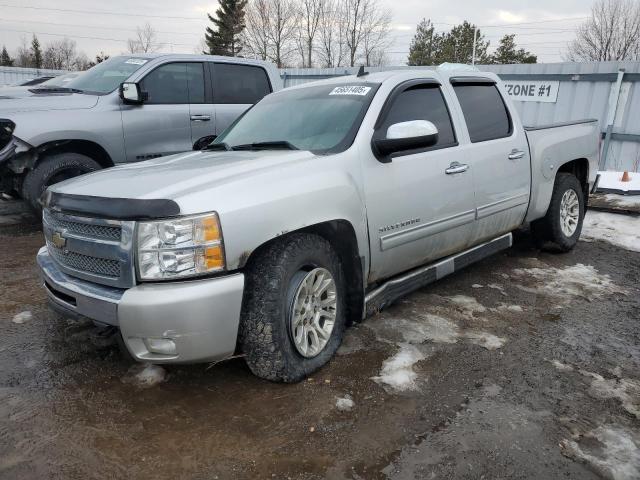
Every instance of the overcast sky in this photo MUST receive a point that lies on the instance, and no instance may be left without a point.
(180, 24)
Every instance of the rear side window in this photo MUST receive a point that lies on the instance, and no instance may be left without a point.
(243, 84)
(422, 102)
(484, 111)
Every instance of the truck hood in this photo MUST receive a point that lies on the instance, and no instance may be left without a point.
(15, 99)
(178, 176)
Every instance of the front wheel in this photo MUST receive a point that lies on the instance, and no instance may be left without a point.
(51, 170)
(560, 228)
(293, 315)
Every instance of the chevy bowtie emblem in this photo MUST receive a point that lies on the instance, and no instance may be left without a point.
(58, 240)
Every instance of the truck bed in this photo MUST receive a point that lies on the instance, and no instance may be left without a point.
(554, 144)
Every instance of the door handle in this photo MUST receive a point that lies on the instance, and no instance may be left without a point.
(456, 167)
(516, 154)
(200, 118)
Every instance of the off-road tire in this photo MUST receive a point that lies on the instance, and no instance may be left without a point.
(53, 169)
(547, 232)
(264, 331)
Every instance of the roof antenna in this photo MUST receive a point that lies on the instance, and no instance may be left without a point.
(361, 72)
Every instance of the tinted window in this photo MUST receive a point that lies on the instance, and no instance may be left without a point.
(239, 83)
(175, 83)
(424, 102)
(484, 111)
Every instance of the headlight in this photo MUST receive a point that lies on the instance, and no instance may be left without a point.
(183, 247)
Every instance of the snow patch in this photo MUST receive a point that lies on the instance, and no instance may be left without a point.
(563, 367)
(486, 340)
(22, 317)
(145, 375)
(619, 230)
(468, 304)
(614, 453)
(345, 404)
(613, 181)
(397, 372)
(576, 280)
(476, 285)
(498, 287)
(626, 391)
(504, 307)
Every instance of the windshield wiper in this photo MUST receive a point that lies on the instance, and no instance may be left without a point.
(217, 146)
(272, 145)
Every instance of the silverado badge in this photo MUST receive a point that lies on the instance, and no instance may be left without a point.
(58, 240)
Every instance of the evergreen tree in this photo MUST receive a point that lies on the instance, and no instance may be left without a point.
(224, 38)
(424, 44)
(457, 45)
(36, 52)
(5, 59)
(507, 52)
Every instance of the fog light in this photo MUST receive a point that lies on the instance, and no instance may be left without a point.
(163, 346)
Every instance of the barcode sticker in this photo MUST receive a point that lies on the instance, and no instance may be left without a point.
(350, 90)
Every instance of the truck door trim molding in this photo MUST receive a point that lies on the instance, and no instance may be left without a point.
(399, 286)
(502, 205)
(396, 239)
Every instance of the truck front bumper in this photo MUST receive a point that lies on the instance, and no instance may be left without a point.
(200, 318)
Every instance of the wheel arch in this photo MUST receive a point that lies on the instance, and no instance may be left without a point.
(342, 236)
(89, 148)
(579, 167)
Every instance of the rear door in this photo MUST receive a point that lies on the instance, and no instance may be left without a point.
(420, 205)
(202, 112)
(498, 155)
(161, 125)
(236, 87)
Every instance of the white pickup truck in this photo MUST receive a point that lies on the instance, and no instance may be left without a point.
(320, 205)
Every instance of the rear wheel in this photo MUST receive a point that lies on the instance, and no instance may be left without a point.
(560, 228)
(54, 169)
(293, 315)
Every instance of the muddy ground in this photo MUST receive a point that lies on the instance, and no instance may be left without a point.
(525, 365)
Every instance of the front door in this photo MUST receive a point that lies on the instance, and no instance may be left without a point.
(161, 125)
(420, 206)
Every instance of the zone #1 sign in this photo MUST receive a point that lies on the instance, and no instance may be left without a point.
(532, 90)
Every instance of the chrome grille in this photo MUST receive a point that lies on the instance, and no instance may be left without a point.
(85, 263)
(59, 222)
(94, 249)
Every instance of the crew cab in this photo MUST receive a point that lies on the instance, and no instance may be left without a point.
(123, 110)
(321, 205)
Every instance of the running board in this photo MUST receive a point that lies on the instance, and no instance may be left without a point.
(399, 286)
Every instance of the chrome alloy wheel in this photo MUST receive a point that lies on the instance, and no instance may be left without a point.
(569, 212)
(313, 312)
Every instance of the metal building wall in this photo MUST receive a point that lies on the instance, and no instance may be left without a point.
(586, 90)
(15, 75)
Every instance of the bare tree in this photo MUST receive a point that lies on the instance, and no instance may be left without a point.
(60, 55)
(375, 40)
(612, 33)
(309, 15)
(367, 28)
(255, 35)
(23, 54)
(145, 40)
(331, 34)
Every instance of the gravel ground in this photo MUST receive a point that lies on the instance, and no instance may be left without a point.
(525, 365)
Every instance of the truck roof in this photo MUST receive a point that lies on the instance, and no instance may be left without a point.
(193, 56)
(399, 75)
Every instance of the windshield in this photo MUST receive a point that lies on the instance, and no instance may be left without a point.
(60, 80)
(323, 119)
(105, 77)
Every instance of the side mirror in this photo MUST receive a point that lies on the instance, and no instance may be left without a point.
(405, 136)
(130, 93)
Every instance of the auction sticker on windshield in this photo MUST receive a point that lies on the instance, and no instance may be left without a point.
(350, 90)
(136, 61)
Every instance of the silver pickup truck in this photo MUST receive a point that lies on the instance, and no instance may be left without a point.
(126, 109)
(321, 205)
